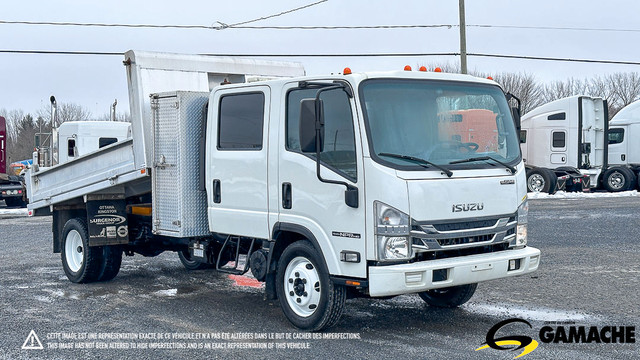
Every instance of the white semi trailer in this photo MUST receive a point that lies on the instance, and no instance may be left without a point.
(323, 186)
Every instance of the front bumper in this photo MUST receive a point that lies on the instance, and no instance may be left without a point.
(419, 276)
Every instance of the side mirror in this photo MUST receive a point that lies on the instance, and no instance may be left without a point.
(515, 113)
(311, 125)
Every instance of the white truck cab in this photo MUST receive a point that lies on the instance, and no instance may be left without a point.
(624, 130)
(396, 188)
(77, 138)
(371, 184)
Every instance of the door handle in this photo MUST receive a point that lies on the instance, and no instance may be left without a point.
(286, 195)
(216, 191)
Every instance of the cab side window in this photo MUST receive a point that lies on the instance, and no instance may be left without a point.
(240, 122)
(339, 153)
(616, 136)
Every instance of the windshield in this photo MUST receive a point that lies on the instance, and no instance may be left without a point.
(441, 122)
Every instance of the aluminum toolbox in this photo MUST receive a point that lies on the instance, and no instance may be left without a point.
(179, 197)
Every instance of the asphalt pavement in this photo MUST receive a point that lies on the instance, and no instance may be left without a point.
(155, 309)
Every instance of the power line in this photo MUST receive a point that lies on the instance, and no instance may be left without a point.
(520, 57)
(151, 26)
(272, 16)
(345, 27)
(552, 28)
(241, 25)
(221, 25)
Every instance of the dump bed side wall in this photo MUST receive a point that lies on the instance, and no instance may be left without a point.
(97, 171)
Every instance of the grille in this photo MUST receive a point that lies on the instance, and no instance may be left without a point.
(465, 240)
(465, 225)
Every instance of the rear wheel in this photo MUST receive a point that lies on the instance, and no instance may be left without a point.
(619, 179)
(189, 262)
(541, 180)
(112, 261)
(449, 297)
(81, 263)
(307, 296)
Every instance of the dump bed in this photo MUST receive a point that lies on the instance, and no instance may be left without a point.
(125, 167)
(99, 170)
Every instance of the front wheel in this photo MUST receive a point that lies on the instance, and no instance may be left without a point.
(81, 263)
(619, 179)
(308, 298)
(449, 297)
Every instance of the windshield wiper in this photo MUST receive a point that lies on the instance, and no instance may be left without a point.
(423, 162)
(485, 158)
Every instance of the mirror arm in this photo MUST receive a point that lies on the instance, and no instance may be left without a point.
(351, 193)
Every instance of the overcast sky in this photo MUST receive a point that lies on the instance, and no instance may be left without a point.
(95, 81)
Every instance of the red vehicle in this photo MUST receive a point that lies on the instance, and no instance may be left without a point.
(3, 145)
(11, 186)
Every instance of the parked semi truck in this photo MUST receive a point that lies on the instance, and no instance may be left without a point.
(624, 147)
(11, 185)
(324, 187)
(565, 146)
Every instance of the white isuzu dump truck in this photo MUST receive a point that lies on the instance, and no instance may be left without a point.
(358, 184)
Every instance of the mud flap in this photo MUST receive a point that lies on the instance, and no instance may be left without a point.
(107, 222)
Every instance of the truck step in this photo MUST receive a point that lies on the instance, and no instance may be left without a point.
(239, 264)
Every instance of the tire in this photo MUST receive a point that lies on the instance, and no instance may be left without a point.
(81, 263)
(449, 297)
(618, 179)
(308, 297)
(541, 180)
(189, 263)
(112, 261)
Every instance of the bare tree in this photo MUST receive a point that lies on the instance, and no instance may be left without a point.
(14, 117)
(603, 87)
(120, 116)
(564, 88)
(524, 86)
(66, 112)
(20, 147)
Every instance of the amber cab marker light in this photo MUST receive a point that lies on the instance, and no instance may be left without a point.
(423, 68)
(489, 77)
(437, 69)
(346, 71)
(407, 68)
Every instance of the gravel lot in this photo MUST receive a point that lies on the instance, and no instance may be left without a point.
(589, 275)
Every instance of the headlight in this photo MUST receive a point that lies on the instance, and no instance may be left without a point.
(521, 231)
(392, 233)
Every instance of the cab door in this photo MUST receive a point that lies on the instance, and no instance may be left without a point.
(317, 206)
(237, 162)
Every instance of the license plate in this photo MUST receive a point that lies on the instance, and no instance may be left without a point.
(198, 253)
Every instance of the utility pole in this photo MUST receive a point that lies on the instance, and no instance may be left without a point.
(463, 39)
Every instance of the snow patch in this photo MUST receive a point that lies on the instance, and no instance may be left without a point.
(582, 195)
(541, 314)
(168, 292)
(24, 212)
